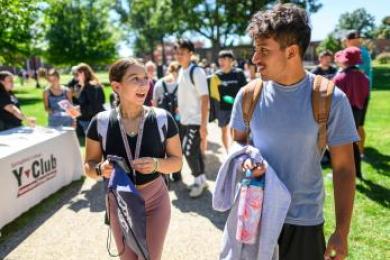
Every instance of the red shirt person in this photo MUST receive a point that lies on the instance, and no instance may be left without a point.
(356, 86)
(350, 79)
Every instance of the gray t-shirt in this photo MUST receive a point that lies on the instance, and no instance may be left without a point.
(284, 129)
(158, 91)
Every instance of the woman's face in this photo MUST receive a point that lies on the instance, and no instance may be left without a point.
(80, 76)
(134, 85)
(8, 83)
(53, 80)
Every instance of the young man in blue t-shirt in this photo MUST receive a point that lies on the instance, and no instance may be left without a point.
(285, 131)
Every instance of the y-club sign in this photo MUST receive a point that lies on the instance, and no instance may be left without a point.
(39, 171)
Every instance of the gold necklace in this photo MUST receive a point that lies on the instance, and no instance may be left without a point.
(126, 117)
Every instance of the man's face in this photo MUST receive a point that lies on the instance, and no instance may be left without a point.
(183, 56)
(326, 61)
(270, 59)
(225, 63)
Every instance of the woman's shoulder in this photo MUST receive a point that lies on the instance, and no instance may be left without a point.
(94, 83)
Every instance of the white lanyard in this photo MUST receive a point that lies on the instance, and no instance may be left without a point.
(138, 143)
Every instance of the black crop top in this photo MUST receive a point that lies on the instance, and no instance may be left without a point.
(151, 145)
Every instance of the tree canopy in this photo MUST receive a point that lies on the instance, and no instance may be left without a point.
(79, 31)
(17, 18)
(359, 20)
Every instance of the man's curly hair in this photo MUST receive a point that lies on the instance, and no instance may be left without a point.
(288, 24)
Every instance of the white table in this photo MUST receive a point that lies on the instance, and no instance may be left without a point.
(35, 163)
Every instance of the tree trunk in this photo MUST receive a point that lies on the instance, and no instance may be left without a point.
(215, 48)
(164, 60)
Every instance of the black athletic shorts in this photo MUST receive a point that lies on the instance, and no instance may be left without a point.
(302, 242)
(364, 111)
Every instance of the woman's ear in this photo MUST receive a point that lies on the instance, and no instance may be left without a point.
(116, 86)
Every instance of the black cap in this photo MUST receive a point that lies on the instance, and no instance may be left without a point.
(353, 34)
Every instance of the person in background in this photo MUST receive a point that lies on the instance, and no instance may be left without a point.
(91, 96)
(193, 105)
(325, 68)
(74, 86)
(355, 85)
(52, 95)
(166, 86)
(250, 70)
(151, 73)
(165, 96)
(353, 39)
(10, 114)
(230, 79)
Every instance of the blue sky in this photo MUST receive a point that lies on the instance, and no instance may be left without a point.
(325, 20)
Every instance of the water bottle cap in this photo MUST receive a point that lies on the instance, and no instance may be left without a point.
(248, 173)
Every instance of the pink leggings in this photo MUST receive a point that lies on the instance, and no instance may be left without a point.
(158, 215)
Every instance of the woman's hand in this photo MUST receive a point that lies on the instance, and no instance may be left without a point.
(258, 169)
(146, 165)
(106, 168)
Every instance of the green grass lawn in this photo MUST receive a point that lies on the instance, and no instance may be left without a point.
(370, 232)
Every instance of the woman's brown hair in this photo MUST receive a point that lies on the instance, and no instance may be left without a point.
(88, 72)
(4, 74)
(119, 68)
(53, 73)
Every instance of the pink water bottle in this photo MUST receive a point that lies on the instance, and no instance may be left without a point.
(249, 208)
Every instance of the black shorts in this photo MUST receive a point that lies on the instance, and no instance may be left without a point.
(302, 242)
(364, 111)
(358, 115)
(190, 136)
(223, 117)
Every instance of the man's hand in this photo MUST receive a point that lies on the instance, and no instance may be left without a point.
(337, 248)
(257, 169)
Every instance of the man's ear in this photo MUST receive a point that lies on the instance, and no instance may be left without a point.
(292, 51)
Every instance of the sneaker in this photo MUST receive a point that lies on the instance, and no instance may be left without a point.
(197, 189)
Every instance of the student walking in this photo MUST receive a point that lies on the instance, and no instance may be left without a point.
(134, 135)
(193, 106)
(284, 129)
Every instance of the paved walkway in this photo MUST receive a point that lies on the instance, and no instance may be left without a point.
(74, 229)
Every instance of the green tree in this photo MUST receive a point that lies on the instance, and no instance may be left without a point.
(330, 43)
(79, 31)
(359, 20)
(17, 18)
(150, 21)
(216, 20)
(383, 31)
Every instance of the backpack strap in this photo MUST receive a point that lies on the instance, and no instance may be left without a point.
(103, 119)
(164, 86)
(192, 69)
(321, 98)
(162, 123)
(175, 89)
(250, 96)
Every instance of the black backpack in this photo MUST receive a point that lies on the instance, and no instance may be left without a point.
(169, 100)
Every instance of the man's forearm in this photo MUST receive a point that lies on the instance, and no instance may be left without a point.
(204, 110)
(344, 193)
